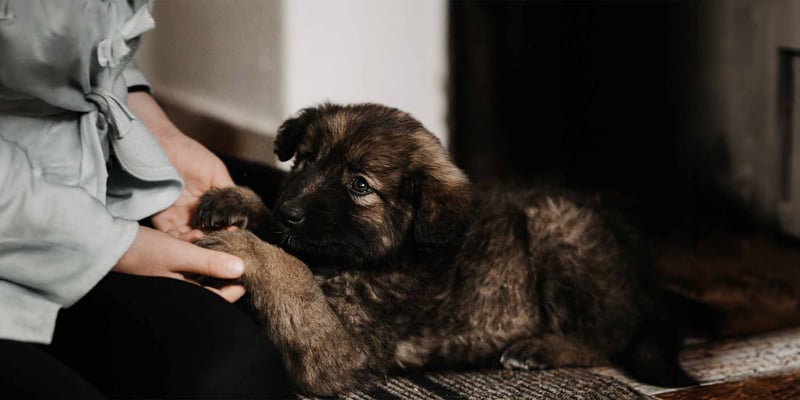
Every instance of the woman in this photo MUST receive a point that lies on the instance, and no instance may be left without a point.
(81, 161)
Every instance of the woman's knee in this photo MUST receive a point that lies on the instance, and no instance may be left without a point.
(188, 341)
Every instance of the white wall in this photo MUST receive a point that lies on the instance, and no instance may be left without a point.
(218, 57)
(253, 63)
(391, 51)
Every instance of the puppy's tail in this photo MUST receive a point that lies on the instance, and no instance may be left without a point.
(652, 356)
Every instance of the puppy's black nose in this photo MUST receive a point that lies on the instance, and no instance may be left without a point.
(291, 214)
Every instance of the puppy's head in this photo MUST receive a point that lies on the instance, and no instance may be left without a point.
(368, 182)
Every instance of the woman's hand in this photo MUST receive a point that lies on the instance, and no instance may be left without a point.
(155, 253)
(201, 169)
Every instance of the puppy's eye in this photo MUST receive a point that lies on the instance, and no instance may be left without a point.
(360, 186)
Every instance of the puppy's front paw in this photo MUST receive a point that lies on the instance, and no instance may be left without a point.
(240, 243)
(224, 207)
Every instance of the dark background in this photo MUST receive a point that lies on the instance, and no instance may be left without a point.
(595, 95)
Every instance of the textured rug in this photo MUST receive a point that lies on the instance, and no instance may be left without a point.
(501, 385)
(735, 359)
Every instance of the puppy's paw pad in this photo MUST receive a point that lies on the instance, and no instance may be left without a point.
(221, 208)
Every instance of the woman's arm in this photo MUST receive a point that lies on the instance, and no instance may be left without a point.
(199, 167)
(161, 253)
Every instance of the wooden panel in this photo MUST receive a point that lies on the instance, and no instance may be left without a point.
(732, 360)
(775, 387)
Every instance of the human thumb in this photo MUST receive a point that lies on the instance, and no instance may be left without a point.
(211, 263)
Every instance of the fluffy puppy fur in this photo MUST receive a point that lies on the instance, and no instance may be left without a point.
(380, 256)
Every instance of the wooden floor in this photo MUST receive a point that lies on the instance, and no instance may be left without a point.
(772, 387)
(753, 281)
(716, 364)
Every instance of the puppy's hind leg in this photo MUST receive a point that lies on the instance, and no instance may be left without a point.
(549, 351)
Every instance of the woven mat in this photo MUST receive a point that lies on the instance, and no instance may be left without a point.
(499, 384)
(769, 354)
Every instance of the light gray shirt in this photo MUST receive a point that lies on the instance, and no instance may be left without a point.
(77, 169)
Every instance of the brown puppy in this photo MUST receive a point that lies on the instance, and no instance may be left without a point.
(384, 258)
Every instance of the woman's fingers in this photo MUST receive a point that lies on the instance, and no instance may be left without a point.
(208, 262)
(230, 293)
(156, 253)
(191, 236)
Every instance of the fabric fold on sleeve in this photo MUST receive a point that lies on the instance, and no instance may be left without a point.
(134, 77)
(27, 315)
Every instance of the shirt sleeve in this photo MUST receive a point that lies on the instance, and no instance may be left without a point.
(134, 78)
(55, 240)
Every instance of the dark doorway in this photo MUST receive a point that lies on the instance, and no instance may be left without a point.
(597, 95)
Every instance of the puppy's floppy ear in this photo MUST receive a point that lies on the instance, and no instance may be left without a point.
(292, 131)
(445, 201)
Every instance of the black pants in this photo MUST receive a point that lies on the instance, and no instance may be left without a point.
(141, 337)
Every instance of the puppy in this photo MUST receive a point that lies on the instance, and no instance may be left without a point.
(380, 256)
